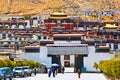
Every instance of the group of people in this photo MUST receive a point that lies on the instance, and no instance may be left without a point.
(54, 71)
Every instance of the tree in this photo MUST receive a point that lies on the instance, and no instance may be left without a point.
(3, 63)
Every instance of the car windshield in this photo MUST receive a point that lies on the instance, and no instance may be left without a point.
(3, 70)
(25, 67)
(18, 68)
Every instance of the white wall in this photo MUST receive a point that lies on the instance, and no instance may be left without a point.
(39, 57)
(28, 23)
(35, 22)
(43, 56)
(21, 27)
(119, 46)
(62, 60)
(95, 57)
(72, 60)
(31, 56)
(0, 36)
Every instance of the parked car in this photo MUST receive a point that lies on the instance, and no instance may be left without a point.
(5, 73)
(18, 71)
(28, 70)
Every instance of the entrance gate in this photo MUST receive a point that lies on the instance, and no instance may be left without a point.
(58, 51)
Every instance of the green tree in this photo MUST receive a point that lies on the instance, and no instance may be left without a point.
(3, 63)
(10, 63)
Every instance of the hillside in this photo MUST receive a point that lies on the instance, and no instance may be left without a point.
(23, 7)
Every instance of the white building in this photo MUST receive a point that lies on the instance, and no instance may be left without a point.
(71, 54)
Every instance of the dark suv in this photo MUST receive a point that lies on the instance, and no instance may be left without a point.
(28, 70)
(5, 73)
(18, 71)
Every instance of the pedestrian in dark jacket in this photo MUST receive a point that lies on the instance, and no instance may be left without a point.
(63, 69)
(79, 73)
(35, 71)
(49, 72)
(53, 70)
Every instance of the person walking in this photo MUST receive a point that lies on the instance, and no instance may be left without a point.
(46, 70)
(79, 73)
(53, 70)
(63, 69)
(35, 71)
(49, 72)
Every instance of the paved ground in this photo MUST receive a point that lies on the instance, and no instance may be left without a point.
(66, 76)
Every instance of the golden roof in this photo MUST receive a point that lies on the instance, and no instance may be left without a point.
(58, 15)
(110, 26)
(34, 26)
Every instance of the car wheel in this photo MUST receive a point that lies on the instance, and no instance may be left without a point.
(14, 76)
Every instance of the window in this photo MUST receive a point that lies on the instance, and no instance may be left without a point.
(32, 50)
(44, 37)
(67, 60)
(102, 50)
(115, 36)
(115, 46)
(67, 57)
(107, 36)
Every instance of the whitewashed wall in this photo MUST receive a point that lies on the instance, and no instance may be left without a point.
(31, 56)
(39, 57)
(43, 56)
(35, 22)
(95, 57)
(28, 23)
(62, 60)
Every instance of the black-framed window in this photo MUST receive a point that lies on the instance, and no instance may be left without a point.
(115, 36)
(44, 37)
(32, 50)
(102, 50)
(115, 46)
(39, 37)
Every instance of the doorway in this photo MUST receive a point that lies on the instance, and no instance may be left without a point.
(78, 62)
(67, 60)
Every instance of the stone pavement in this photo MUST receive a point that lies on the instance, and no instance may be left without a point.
(66, 76)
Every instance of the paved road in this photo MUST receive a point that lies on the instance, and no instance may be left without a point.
(66, 76)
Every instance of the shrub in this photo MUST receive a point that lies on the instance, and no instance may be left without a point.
(10, 63)
(37, 64)
(95, 65)
(110, 68)
(3, 63)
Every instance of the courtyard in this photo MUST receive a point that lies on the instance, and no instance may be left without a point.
(66, 76)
